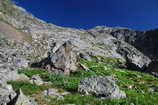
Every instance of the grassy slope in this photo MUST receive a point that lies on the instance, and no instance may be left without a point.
(135, 84)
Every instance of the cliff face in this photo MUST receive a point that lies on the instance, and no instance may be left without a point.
(28, 41)
(21, 27)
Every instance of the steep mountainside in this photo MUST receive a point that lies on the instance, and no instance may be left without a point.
(28, 42)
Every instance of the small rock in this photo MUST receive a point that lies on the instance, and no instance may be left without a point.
(36, 79)
(132, 104)
(129, 86)
(54, 93)
(153, 89)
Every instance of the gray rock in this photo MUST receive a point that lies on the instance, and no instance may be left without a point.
(6, 95)
(101, 87)
(132, 104)
(134, 58)
(153, 89)
(54, 93)
(36, 79)
(64, 58)
(9, 97)
(60, 58)
(24, 100)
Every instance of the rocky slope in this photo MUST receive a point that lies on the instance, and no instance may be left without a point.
(30, 42)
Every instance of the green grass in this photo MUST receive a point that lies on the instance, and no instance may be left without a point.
(135, 84)
(27, 88)
(69, 83)
(31, 71)
(137, 95)
(77, 99)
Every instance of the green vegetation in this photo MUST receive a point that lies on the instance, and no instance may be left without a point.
(27, 88)
(77, 99)
(135, 84)
(31, 71)
(69, 83)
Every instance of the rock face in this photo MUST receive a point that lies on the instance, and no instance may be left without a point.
(134, 58)
(126, 44)
(101, 87)
(33, 37)
(148, 44)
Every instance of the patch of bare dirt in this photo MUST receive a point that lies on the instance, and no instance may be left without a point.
(12, 33)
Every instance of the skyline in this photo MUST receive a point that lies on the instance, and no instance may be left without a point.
(134, 14)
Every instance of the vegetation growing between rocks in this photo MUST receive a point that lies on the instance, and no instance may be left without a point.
(32, 71)
(27, 88)
(136, 85)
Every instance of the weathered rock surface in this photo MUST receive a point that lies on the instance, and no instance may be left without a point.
(134, 58)
(21, 99)
(61, 57)
(101, 87)
(36, 79)
(100, 41)
(64, 58)
(54, 93)
(6, 95)
(9, 97)
(125, 45)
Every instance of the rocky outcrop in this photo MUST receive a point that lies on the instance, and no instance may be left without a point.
(148, 43)
(134, 58)
(142, 43)
(7, 95)
(121, 33)
(60, 57)
(64, 58)
(101, 87)
(21, 99)
(94, 42)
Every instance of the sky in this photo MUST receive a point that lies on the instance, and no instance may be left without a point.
(86, 14)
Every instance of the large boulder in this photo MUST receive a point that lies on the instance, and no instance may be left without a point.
(100, 86)
(64, 57)
(61, 57)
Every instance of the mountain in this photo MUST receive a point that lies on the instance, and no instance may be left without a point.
(31, 46)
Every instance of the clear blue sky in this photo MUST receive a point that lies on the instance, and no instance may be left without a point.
(135, 14)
